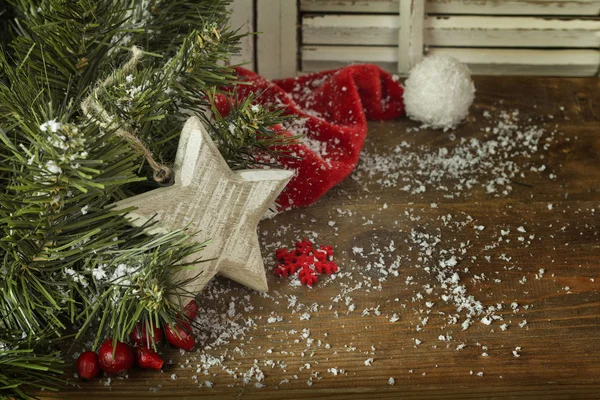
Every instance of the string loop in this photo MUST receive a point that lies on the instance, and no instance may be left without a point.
(91, 107)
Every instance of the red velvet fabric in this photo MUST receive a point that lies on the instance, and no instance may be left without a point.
(332, 109)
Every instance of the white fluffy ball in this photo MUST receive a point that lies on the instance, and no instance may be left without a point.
(439, 92)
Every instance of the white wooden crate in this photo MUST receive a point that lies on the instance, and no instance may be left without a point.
(504, 37)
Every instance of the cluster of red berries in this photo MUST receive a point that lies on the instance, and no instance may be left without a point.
(119, 358)
(307, 261)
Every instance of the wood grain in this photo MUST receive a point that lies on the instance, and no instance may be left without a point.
(544, 38)
(276, 44)
(479, 7)
(242, 18)
(410, 34)
(487, 61)
(560, 356)
(452, 31)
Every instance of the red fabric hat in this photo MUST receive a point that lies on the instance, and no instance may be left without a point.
(332, 109)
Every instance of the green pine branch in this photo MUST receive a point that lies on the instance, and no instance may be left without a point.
(27, 368)
(251, 134)
(71, 264)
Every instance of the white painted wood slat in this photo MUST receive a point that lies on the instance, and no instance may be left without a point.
(350, 6)
(277, 44)
(495, 7)
(512, 32)
(242, 18)
(410, 35)
(453, 31)
(514, 7)
(481, 61)
(376, 30)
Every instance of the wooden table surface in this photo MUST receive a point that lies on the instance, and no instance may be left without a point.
(557, 207)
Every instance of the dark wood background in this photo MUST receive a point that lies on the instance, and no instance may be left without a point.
(560, 356)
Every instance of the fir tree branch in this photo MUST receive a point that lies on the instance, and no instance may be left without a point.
(92, 108)
(250, 133)
(70, 263)
(24, 369)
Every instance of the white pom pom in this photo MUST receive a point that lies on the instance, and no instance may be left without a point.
(439, 92)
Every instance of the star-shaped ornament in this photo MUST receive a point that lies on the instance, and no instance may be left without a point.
(221, 205)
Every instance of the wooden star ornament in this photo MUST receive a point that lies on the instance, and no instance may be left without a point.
(221, 205)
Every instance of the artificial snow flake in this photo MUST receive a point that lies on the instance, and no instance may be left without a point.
(53, 168)
(52, 126)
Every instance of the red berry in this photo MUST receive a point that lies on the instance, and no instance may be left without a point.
(139, 336)
(87, 365)
(191, 309)
(180, 336)
(121, 361)
(148, 358)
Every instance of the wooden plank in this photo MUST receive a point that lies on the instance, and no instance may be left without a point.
(350, 6)
(496, 7)
(242, 17)
(320, 58)
(453, 31)
(514, 7)
(459, 31)
(277, 43)
(560, 351)
(480, 61)
(526, 61)
(376, 30)
(410, 35)
(289, 38)
(138, 389)
(349, 54)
